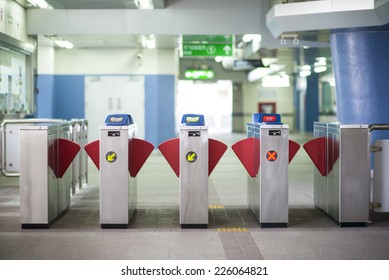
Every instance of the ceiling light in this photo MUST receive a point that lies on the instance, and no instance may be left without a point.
(218, 58)
(319, 69)
(260, 72)
(276, 81)
(305, 73)
(63, 44)
(39, 3)
(144, 4)
(268, 61)
(306, 67)
(148, 42)
(249, 37)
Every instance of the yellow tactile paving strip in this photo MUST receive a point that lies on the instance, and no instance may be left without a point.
(215, 206)
(232, 229)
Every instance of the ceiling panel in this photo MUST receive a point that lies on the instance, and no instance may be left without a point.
(100, 4)
(118, 41)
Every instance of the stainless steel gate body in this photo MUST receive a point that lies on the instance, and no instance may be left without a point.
(344, 193)
(10, 153)
(44, 197)
(193, 176)
(268, 192)
(117, 188)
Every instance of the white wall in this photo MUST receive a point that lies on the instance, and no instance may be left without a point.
(114, 61)
(46, 60)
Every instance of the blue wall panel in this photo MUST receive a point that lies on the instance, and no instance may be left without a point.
(160, 120)
(166, 104)
(63, 96)
(45, 97)
(69, 97)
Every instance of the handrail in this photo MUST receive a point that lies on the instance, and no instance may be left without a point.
(378, 127)
(3, 124)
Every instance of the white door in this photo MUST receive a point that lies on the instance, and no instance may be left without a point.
(130, 99)
(98, 103)
(105, 95)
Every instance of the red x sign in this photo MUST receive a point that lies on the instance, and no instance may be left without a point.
(271, 155)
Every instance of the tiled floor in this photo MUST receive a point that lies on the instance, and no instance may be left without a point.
(154, 231)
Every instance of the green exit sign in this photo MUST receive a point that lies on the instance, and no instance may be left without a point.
(207, 45)
(199, 74)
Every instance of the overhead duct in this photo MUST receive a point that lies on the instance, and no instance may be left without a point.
(326, 14)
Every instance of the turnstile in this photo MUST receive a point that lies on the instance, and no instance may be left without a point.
(119, 156)
(381, 175)
(341, 154)
(193, 156)
(266, 154)
(193, 184)
(10, 153)
(117, 188)
(79, 135)
(45, 179)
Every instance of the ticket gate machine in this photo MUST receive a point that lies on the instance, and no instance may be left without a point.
(119, 156)
(193, 156)
(46, 152)
(341, 155)
(265, 154)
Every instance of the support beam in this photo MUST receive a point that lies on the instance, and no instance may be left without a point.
(326, 14)
(180, 17)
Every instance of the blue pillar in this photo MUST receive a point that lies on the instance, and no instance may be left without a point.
(361, 66)
(312, 102)
(310, 110)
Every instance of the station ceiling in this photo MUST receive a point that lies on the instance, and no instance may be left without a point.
(166, 37)
(171, 18)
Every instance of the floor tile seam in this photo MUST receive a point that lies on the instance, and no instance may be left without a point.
(251, 240)
(227, 249)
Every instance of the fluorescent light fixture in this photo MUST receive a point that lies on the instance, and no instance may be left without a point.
(63, 44)
(144, 4)
(305, 73)
(319, 63)
(321, 58)
(249, 37)
(319, 69)
(39, 3)
(218, 58)
(276, 81)
(260, 72)
(149, 42)
(268, 61)
(306, 68)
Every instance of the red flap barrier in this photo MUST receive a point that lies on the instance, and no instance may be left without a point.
(61, 154)
(333, 153)
(138, 152)
(293, 149)
(93, 151)
(170, 149)
(247, 150)
(316, 149)
(216, 149)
